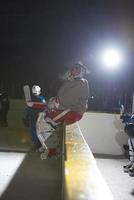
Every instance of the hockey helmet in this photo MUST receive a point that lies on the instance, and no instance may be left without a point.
(129, 129)
(36, 90)
(78, 70)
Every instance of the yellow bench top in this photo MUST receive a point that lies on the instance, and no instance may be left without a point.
(83, 181)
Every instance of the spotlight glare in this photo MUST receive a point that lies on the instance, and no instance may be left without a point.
(111, 58)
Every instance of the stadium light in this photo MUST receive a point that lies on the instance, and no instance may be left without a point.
(111, 58)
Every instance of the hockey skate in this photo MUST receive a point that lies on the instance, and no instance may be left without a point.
(131, 170)
(43, 152)
(127, 167)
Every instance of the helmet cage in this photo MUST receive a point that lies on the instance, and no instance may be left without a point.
(36, 90)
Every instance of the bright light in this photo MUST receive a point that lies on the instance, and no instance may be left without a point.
(111, 58)
(9, 164)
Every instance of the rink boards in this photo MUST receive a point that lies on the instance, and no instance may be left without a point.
(83, 181)
(80, 179)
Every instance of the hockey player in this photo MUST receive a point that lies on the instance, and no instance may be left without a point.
(4, 108)
(129, 129)
(69, 105)
(34, 106)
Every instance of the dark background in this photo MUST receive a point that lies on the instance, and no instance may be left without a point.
(39, 39)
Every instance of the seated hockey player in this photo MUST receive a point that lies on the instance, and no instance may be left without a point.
(68, 106)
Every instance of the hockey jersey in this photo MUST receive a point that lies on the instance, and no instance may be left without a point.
(74, 95)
